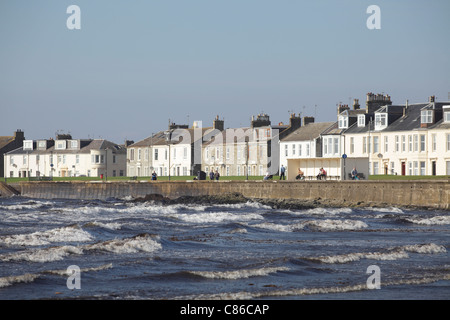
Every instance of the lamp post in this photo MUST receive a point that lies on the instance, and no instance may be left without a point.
(168, 135)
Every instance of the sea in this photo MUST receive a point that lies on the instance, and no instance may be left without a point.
(120, 249)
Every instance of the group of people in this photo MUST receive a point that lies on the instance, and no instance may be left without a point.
(301, 175)
(214, 175)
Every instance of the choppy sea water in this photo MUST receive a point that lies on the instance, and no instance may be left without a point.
(128, 250)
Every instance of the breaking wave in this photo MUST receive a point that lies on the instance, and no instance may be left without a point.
(391, 254)
(238, 274)
(140, 243)
(437, 220)
(314, 291)
(64, 234)
(322, 225)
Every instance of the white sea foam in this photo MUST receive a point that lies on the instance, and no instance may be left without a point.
(274, 227)
(10, 280)
(242, 295)
(331, 224)
(141, 243)
(437, 220)
(42, 255)
(325, 211)
(386, 209)
(63, 234)
(82, 270)
(217, 217)
(390, 254)
(26, 205)
(238, 274)
(110, 225)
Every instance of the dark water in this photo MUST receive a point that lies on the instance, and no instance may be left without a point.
(127, 250)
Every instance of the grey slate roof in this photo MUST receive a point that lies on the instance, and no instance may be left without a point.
(309, 131)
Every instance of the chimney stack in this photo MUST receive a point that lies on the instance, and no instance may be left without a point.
(307, 120)
(218, 124)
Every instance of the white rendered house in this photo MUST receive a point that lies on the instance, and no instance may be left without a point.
(66, 157)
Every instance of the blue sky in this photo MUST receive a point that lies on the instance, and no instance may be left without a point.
(136, 64)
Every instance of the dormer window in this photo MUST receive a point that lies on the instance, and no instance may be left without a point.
(380, 121)
(60, 144)
(343, 122)
(426, 116)
(446, 114)
(28, 145)
(361, 120)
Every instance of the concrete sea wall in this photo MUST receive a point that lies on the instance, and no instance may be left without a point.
(432, 194)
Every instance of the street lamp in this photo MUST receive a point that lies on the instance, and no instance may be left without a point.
(168, 135)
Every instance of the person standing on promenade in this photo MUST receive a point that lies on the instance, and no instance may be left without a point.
(282, 173)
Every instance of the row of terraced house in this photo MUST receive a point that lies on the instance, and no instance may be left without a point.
(379, 138)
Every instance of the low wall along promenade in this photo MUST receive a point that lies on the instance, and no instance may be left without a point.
(431, 194)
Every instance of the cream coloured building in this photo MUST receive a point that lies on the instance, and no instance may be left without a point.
(66, 157)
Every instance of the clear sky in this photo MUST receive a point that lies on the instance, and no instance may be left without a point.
(134, 65)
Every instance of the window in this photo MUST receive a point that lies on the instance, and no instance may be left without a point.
(228, 171)
(422, 168)
(426, 116)
(422, 142)
(364, 144)
(239, 153)
(336, 145)
(60, 144)
(433, 142)
(11, 160)
(448, 141)
(74, 144)
(238, 170)
(102, 159)
(330, 145)
(228, 153)
(410, 143)
(286, 150)
(380, 121)
(416, 143)
(64, 159)
(156, 154)
(131, 155)
(261, 170)
(77, 159)
(114, 173)
(307, 150)
(42, 144)
(139, 154)
(375, 145)
(375, 168)
(24, 159)
(416, 168)
(185, 153)
(28, 145)
(361, 120)
(386, 144)
(300, 150)
(397, 144)
(146, 154)
(410, 168)
(403, 143)
(185, 171)
(293, 149)
(447, 116)
(343, 122)
(352, 145)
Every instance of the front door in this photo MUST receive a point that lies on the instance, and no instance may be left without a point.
(433, 168)
(403, 168)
